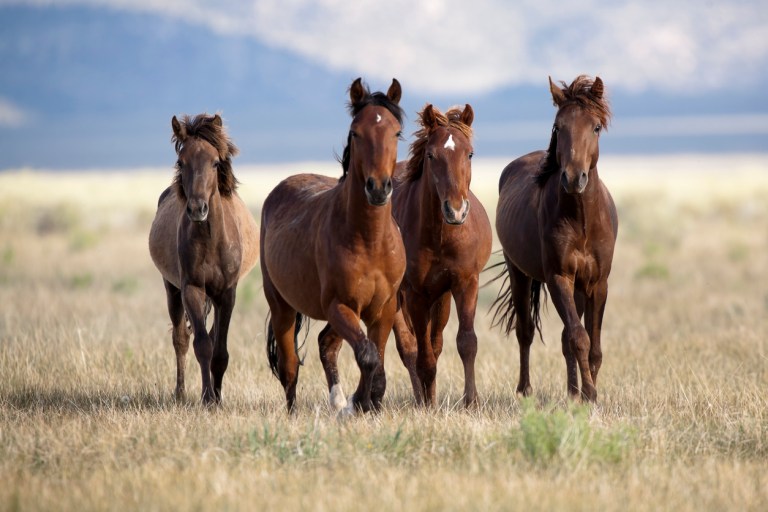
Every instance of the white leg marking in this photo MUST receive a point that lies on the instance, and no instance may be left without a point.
(337, 399)
(449, 143)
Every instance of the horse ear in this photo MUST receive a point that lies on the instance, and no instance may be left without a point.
(597, 88)
(217, 121)
(468, 115)
(558, 97)
(395, 92)
(356, 91)
(178, 129)
(428, 118)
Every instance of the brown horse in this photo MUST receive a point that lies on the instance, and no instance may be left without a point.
(330, 250)
(447, 238)
(203, 240)
(557, 224)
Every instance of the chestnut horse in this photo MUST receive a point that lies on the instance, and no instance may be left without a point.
(447, 238)
(330, 250)
(203, 240)
(557, 224)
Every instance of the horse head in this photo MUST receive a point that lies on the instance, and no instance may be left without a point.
(447, 155)
(371, 152)
(582, 114)
(204, 165)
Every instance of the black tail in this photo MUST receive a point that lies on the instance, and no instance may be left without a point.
(505, 312)
(272, 342)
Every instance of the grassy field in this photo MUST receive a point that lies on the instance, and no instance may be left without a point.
(87, 419)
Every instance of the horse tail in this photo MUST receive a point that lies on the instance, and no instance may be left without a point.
(504, 306)
(505, 312)
(536, 290)
(272, 342)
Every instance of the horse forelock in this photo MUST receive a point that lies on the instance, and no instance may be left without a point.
(579, 93)
(451, 119)
(204, 128)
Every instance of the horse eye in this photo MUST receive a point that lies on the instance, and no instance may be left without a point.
(554, 129)
(399, 135)
(430, 156)
(598, 128)
(352, 134)
(216, 164)
(471, 154)
(178, 164)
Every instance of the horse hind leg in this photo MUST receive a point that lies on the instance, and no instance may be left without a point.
(522, 290)
(330, 344)
(408, 351)
(180, 333)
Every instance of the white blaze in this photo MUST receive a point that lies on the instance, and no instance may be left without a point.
(378, 118)
(449, 143)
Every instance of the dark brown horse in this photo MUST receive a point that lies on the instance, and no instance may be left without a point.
(203, 240)
(330, 250)
(447, 238)
(557, 224)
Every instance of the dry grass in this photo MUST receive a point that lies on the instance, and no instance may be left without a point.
(87, 421)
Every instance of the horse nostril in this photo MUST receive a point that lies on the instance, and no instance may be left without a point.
(370, 185)
(564, 180)
(204, 209)
(388, 186)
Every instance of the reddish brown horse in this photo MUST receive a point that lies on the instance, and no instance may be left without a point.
(330, 250)
(203, 240)
(447, 238)
(557, 224)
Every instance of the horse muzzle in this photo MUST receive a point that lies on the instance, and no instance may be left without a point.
(575, 185)
(378, 195)
(197, 210)
(453, 216)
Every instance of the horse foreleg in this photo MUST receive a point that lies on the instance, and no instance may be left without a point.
(220, 359)
(180, 335)
(194, 304)
(571, 366)
(426, 364)
(330, 343)
(465, 295)
(593, 320)
(378, 333)
(561, 289)
(408, 350)
(347, 324)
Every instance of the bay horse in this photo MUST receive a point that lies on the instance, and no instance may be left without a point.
(557, 224)
(331, 251)
(203, 240)
(447, 237)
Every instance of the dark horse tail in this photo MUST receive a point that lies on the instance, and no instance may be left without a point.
(505, 312)
(272, 342)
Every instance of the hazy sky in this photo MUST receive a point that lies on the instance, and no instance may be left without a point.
(663, 53)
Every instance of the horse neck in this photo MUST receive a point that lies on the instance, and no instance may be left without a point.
(363, 219)
(214, 227)
(582, 208)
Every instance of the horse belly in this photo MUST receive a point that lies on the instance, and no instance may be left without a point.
(163, 237)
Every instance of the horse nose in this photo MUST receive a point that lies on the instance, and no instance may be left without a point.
(378, 196)
(197, 212)
(576, 186)
(455, 216)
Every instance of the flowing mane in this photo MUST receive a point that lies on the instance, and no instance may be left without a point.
(451, 119)
(579, 93)
(209, 129)
(378, 99)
